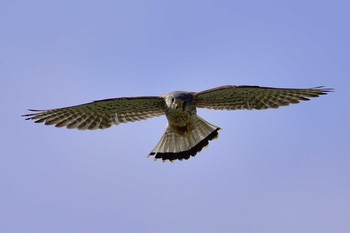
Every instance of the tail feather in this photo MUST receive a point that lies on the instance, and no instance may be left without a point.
(173, 146)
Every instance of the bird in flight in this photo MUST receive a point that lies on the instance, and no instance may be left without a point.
(186, 133)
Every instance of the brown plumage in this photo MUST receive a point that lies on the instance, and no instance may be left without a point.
(186, 133)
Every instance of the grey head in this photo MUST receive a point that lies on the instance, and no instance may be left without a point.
(179, 100)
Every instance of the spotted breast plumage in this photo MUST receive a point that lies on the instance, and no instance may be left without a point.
(186, 133)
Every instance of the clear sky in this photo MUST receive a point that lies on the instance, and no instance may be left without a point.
(285, 170)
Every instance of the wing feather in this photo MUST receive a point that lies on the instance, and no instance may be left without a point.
(101, 114)
(254, 97)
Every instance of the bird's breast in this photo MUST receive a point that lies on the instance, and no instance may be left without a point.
(180, 121)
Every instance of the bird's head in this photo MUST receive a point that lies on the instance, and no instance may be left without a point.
(180, 101)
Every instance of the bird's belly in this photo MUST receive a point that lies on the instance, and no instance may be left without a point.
(178, 118)
(180, 122)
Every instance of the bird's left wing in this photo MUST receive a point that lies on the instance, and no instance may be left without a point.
(254, 97)
(101, 114)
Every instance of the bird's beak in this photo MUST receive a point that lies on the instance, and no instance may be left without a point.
(180, 104)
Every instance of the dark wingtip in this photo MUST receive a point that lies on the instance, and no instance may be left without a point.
(324, 90)
(184, 155)
(30, 115)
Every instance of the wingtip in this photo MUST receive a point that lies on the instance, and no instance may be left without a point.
(29, 115)
(324, 89)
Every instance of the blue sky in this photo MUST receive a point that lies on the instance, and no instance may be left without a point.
(284, 170)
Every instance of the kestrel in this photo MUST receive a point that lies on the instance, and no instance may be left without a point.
(186, 133)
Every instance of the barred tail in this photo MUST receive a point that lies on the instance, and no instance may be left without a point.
(173, 146)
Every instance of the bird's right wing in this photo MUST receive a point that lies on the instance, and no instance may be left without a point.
(254, 97)
(101, 114)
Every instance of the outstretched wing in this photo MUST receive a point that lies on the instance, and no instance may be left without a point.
(101, 114)
(254, 97)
